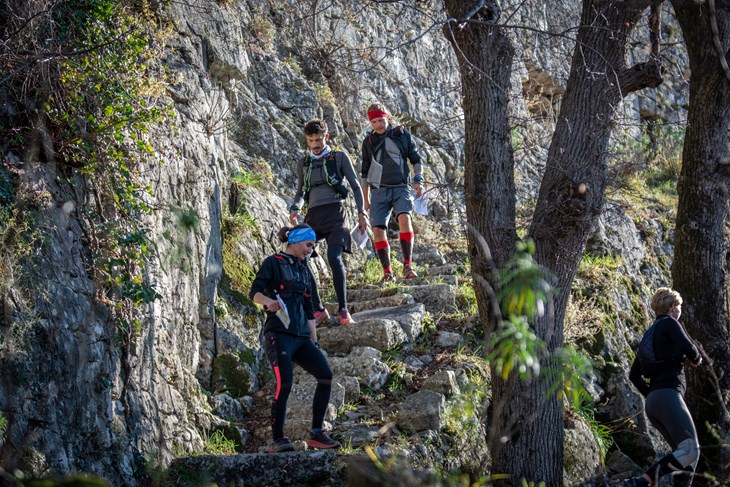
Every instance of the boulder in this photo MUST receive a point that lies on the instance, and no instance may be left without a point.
(443, 382)
(363, 363)
(360, 434)
(435, 297)
(422, 411)
(448, 339)
(351, 386)
(227, 407)
(427, 254)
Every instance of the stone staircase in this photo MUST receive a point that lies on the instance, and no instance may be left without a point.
(386, 319)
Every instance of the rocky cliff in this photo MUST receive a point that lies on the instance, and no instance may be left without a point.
(244, 77)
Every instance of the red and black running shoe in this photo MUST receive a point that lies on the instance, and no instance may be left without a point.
(322, 440)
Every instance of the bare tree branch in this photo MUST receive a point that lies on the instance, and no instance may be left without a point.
(716, 38)
(640, 76)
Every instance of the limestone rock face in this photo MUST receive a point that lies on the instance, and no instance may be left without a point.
(615, 234)
(582, 459)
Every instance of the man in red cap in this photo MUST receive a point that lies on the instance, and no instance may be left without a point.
(386, 185)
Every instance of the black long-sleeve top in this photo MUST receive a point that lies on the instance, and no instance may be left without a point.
(671, 345)
(403, 146)
(294, 288)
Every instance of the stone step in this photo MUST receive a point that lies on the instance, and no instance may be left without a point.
(282, 469)
(445, 270)
(371, 292)
(378, 333)
(422, 254)
(435, 297)
(430, 256)
(371, 301)
(449, 279)
(384, 302)
(448, 272)
(409, 316)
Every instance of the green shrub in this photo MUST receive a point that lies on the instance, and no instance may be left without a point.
(601, 432)
(97, 105)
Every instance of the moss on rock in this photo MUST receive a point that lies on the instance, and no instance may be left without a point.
(247, 356)
(231, 374)
(236, 268)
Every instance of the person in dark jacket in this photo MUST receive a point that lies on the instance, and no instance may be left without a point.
(662, 382)
(386, 185)
(321, 175)
(283, 286)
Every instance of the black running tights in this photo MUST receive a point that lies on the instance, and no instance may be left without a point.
(282, 350)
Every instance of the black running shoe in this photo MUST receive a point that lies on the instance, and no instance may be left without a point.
(281, 445)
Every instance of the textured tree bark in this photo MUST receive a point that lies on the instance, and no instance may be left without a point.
(572, 190)
(700, 268)
(485, 58)
(526, 438)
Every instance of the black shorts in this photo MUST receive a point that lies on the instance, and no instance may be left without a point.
(330, 223)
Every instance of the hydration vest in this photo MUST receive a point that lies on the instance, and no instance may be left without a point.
(330, 175)
(291, 279)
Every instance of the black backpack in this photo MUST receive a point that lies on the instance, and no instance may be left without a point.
(646, 354)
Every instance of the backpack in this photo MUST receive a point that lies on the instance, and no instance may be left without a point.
(330, 174)
(646, 354)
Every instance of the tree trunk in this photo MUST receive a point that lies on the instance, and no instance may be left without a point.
(570, 200)
(527, 429)
(485, 57)
(700, 263)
